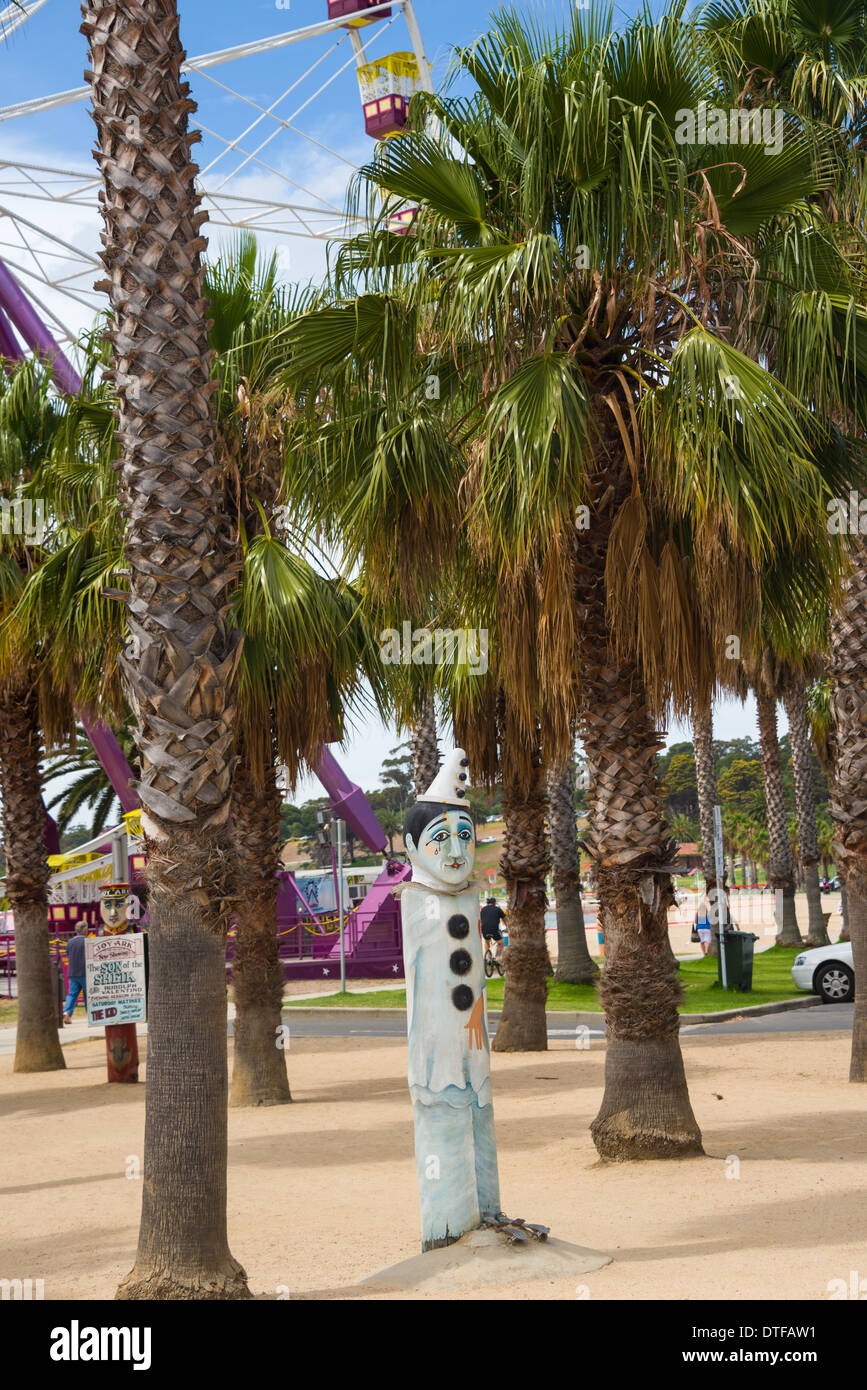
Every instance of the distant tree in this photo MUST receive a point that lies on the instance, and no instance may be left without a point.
(397, 778)
(740, 787)
(684, 829)
(392, 824)
(679, 784)
(299, 822)
(484, 804)
(825, 836)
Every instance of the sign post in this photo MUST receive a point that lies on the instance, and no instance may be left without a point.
(337, 829)
(116, 981)
(720, 905)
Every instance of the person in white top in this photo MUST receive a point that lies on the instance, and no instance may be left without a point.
(449, 1048)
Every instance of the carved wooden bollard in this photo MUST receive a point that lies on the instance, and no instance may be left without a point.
(449, 1047)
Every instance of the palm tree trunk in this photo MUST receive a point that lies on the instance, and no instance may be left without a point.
(849, 786)
(805, 803)
(645, 1111)
(524, 865)
(780, 874)
(844, 911)
(180, 662)
(705, 776)
(574, 964)
(259, 1060)
(425, 752)
(37, 1044)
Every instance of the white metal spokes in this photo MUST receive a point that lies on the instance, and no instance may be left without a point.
(49, 222)
(13, 16)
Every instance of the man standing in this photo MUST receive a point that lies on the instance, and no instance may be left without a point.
(449, 1049)
(76, 971)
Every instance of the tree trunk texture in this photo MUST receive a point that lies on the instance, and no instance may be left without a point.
(259, 1060)
(844, 911)
(425, 750)
(780, 875)
(183, 1250)
(645, 1111)
(524, 865)
(574, 963)
(37, 1044)
(849, 786)
(805, 803)
(180, 662)
(705, 776)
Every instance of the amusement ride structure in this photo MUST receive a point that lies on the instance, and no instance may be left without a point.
(46, 298)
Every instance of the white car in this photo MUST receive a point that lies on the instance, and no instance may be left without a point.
(828, 972)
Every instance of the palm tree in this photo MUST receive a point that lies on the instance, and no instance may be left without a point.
(307, 647)
(391, 824)
(425, 753)
(179, 665)
(848, 667)
(524, 864)
(29, 420)
(795, 697)
(761, 843)
(550, 226)
(817, 62)
(574, 965)
(302, 647)
(780, 871)
(822, 730)
(705, 776)
(825, 843)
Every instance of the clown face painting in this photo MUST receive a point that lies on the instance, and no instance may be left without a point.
(446, 847)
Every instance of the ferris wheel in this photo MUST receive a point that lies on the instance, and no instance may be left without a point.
(268, 162)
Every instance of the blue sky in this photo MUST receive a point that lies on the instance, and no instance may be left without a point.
(48, 54)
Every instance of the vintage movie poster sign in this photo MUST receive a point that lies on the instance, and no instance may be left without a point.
(115, 979)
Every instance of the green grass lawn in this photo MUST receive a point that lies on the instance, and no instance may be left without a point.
(772, 980)
(8, 1010)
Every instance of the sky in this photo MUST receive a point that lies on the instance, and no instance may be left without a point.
(307, 167)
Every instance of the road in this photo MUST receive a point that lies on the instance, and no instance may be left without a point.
(830, 1018)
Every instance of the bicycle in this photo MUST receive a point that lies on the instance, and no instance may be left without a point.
(493, 963)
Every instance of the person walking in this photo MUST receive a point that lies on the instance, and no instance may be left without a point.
(702, 927)
(76, 971)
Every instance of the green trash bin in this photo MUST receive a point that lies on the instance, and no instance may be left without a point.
(738, 947)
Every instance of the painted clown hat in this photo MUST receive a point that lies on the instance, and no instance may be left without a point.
(448, 787)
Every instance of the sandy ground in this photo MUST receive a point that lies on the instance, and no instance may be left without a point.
(323, 1192)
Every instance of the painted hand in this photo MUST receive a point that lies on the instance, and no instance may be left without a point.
(476, 1025)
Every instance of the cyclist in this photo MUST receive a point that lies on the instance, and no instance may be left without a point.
(491, 916)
